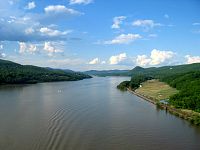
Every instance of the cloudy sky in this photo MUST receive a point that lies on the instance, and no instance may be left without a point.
(100, 34)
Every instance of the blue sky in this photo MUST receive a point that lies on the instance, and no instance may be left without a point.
(99, 34)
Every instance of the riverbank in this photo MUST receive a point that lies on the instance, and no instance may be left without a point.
(14, 73)
(141, 96)
(193, 117)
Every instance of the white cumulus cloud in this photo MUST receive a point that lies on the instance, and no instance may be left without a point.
(147, 24)
(85, 2)
(2, 55)
(95, 61)
(157, 57)
(117, 21)
(142, 60)
(30, 5)
(26, 30)
(22, 47)
(117, 58)
(17, 24)
(51, 32)
(58, 9)
(124, 39)
(192, 59)
(27, 48)
(50, 49)
(32, 48)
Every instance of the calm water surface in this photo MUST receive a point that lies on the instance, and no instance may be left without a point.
(87, 115)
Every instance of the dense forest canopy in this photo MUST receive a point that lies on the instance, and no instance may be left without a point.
(189, 86)
(13, 73)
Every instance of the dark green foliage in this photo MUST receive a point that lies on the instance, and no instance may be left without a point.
(188, 85)
(13, 73)
(124, 85)
(163, 72)
(195, 120)
(134, 83)
(185, 78)
(137, 80)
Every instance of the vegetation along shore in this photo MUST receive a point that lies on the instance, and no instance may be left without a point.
(176, 90)
(14, 73)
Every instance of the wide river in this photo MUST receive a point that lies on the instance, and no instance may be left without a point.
(88, 115)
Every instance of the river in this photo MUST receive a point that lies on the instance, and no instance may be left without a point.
(88, 115)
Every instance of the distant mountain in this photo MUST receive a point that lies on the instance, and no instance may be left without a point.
(137, 69)
(106, 72)
(14, 73)
(165, 70)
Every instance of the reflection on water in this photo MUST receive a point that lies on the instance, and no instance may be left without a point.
(87, 115)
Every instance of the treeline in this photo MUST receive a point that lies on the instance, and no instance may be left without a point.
(188, 85)
(152, 71)
(104, 73)
(134, 83)
(13, 73)
(183, 78)
(123, 85)
(164, 71)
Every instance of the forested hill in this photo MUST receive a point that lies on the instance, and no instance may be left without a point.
(13, 73)
(106, 72)
(158, 71)
(165, 70)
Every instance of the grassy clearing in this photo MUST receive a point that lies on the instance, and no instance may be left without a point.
(156, 90)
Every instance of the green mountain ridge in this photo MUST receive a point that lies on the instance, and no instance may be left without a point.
(157, 72)
(150, 71)
(14, 73)
(105, 72)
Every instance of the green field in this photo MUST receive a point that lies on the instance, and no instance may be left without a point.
(156, 90)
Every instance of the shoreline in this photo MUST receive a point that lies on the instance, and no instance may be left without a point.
(184, 114)
(141, 96)
(37, 82)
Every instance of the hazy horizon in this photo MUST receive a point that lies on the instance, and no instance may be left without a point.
(101, 69)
